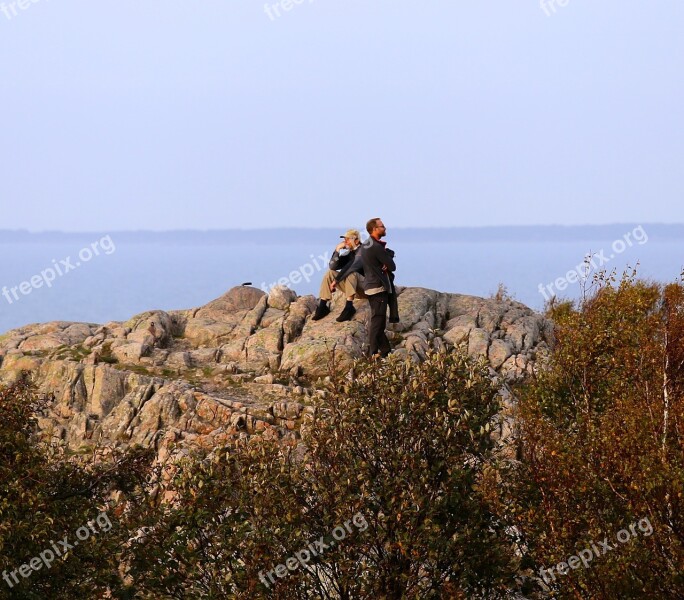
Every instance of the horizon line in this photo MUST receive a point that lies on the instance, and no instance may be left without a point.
(329, 227)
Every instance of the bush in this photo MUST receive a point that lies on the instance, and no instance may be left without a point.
(601, 445)
(46, 495)
(400, 451)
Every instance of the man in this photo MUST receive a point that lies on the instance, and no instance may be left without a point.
(345, 274)
(378, 266)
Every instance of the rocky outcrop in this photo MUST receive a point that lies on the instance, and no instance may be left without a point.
(245, 363)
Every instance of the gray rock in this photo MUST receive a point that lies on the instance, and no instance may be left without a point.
(281, 297)
(129, 353)
(204, 357)
(234, 314)
(458, 329)
(240, 334)
(478, 342)
(178, 360)
(499, 351)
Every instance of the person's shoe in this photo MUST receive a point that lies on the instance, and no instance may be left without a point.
(348, 312)
(322, 310)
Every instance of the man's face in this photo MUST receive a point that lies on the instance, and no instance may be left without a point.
(380, 230)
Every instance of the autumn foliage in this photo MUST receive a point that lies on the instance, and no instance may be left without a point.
(404, 445)
(450, 510)
(601, 444)
(47, 494)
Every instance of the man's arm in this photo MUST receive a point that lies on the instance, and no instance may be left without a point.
(337, 261)
(334, 263)
(355, 267)
(386, 259)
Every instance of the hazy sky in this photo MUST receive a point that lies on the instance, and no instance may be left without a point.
(168, 114)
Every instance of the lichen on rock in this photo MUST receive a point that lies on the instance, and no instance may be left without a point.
(243, 364)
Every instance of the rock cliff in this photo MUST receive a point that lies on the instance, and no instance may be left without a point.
(245, 363)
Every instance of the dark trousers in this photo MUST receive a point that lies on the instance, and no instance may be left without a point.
(377, 340)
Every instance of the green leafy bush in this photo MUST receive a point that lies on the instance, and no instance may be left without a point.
(403, 446)
(46, 495)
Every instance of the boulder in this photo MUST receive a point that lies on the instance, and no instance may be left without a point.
(129, 353)
(234, 314)
(326, 342)
(458, 329)
(178, 381)
(499, 351)
(236, 301)
(281, 297)
(478, 343)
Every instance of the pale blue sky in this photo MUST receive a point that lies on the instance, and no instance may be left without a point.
(167, 114)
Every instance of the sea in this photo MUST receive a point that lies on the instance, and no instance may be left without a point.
(102, 277)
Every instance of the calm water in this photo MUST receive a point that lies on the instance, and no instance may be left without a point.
(135, 277)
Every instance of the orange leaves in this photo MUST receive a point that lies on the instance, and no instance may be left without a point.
(591, 438)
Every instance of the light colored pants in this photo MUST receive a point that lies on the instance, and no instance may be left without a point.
(351, 285)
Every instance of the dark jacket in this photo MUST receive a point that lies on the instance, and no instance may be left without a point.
(375, 256)
(347, 264)
(393, 303)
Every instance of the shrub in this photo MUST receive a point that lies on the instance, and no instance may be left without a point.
(401, 446)
(46, 495)
(601, 445)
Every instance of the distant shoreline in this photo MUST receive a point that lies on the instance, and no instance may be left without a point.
(517, 233)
